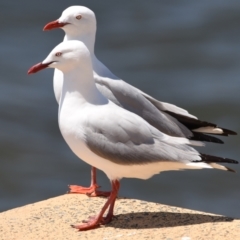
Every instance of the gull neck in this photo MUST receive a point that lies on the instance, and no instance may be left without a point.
(79, 86)
(88, 39)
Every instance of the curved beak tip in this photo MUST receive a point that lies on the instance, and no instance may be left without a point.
(33, 69)
(53, 25)
(37, 67)
(47, 27)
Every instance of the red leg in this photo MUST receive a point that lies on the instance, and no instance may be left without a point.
(90, 191)
(96, 221)
(110, 215)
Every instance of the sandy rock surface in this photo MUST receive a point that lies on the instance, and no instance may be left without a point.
(135, 219)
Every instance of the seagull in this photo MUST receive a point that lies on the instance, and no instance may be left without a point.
(109, 137)
(79, 23)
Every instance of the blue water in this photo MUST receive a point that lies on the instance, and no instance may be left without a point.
(183, 52)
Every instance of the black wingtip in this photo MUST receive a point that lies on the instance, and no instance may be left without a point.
(205, 138)
(213, 159)
(228, 132)
(192, 123)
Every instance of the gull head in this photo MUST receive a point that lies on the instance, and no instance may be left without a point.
(66, 56)
(75, 21)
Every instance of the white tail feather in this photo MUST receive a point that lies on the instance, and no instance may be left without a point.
(199, 165)
(212, 130)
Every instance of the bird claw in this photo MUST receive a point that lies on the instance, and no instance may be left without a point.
(89, 191)
(93, 222)
(98, 194)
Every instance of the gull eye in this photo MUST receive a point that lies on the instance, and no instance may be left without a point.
(58, 54)
(78, 17)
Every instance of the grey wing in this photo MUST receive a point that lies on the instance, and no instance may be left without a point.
(167, 107)
(166, 117)
(127, 97)
(128, 141)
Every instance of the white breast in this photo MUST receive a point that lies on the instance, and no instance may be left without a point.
(57, 84)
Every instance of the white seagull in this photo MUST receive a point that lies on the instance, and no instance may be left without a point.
(79, 23)
(110, 138)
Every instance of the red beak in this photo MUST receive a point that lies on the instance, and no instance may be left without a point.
(38, 67)
(54, 24)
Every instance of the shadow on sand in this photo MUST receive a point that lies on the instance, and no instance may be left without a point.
(141, 220)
